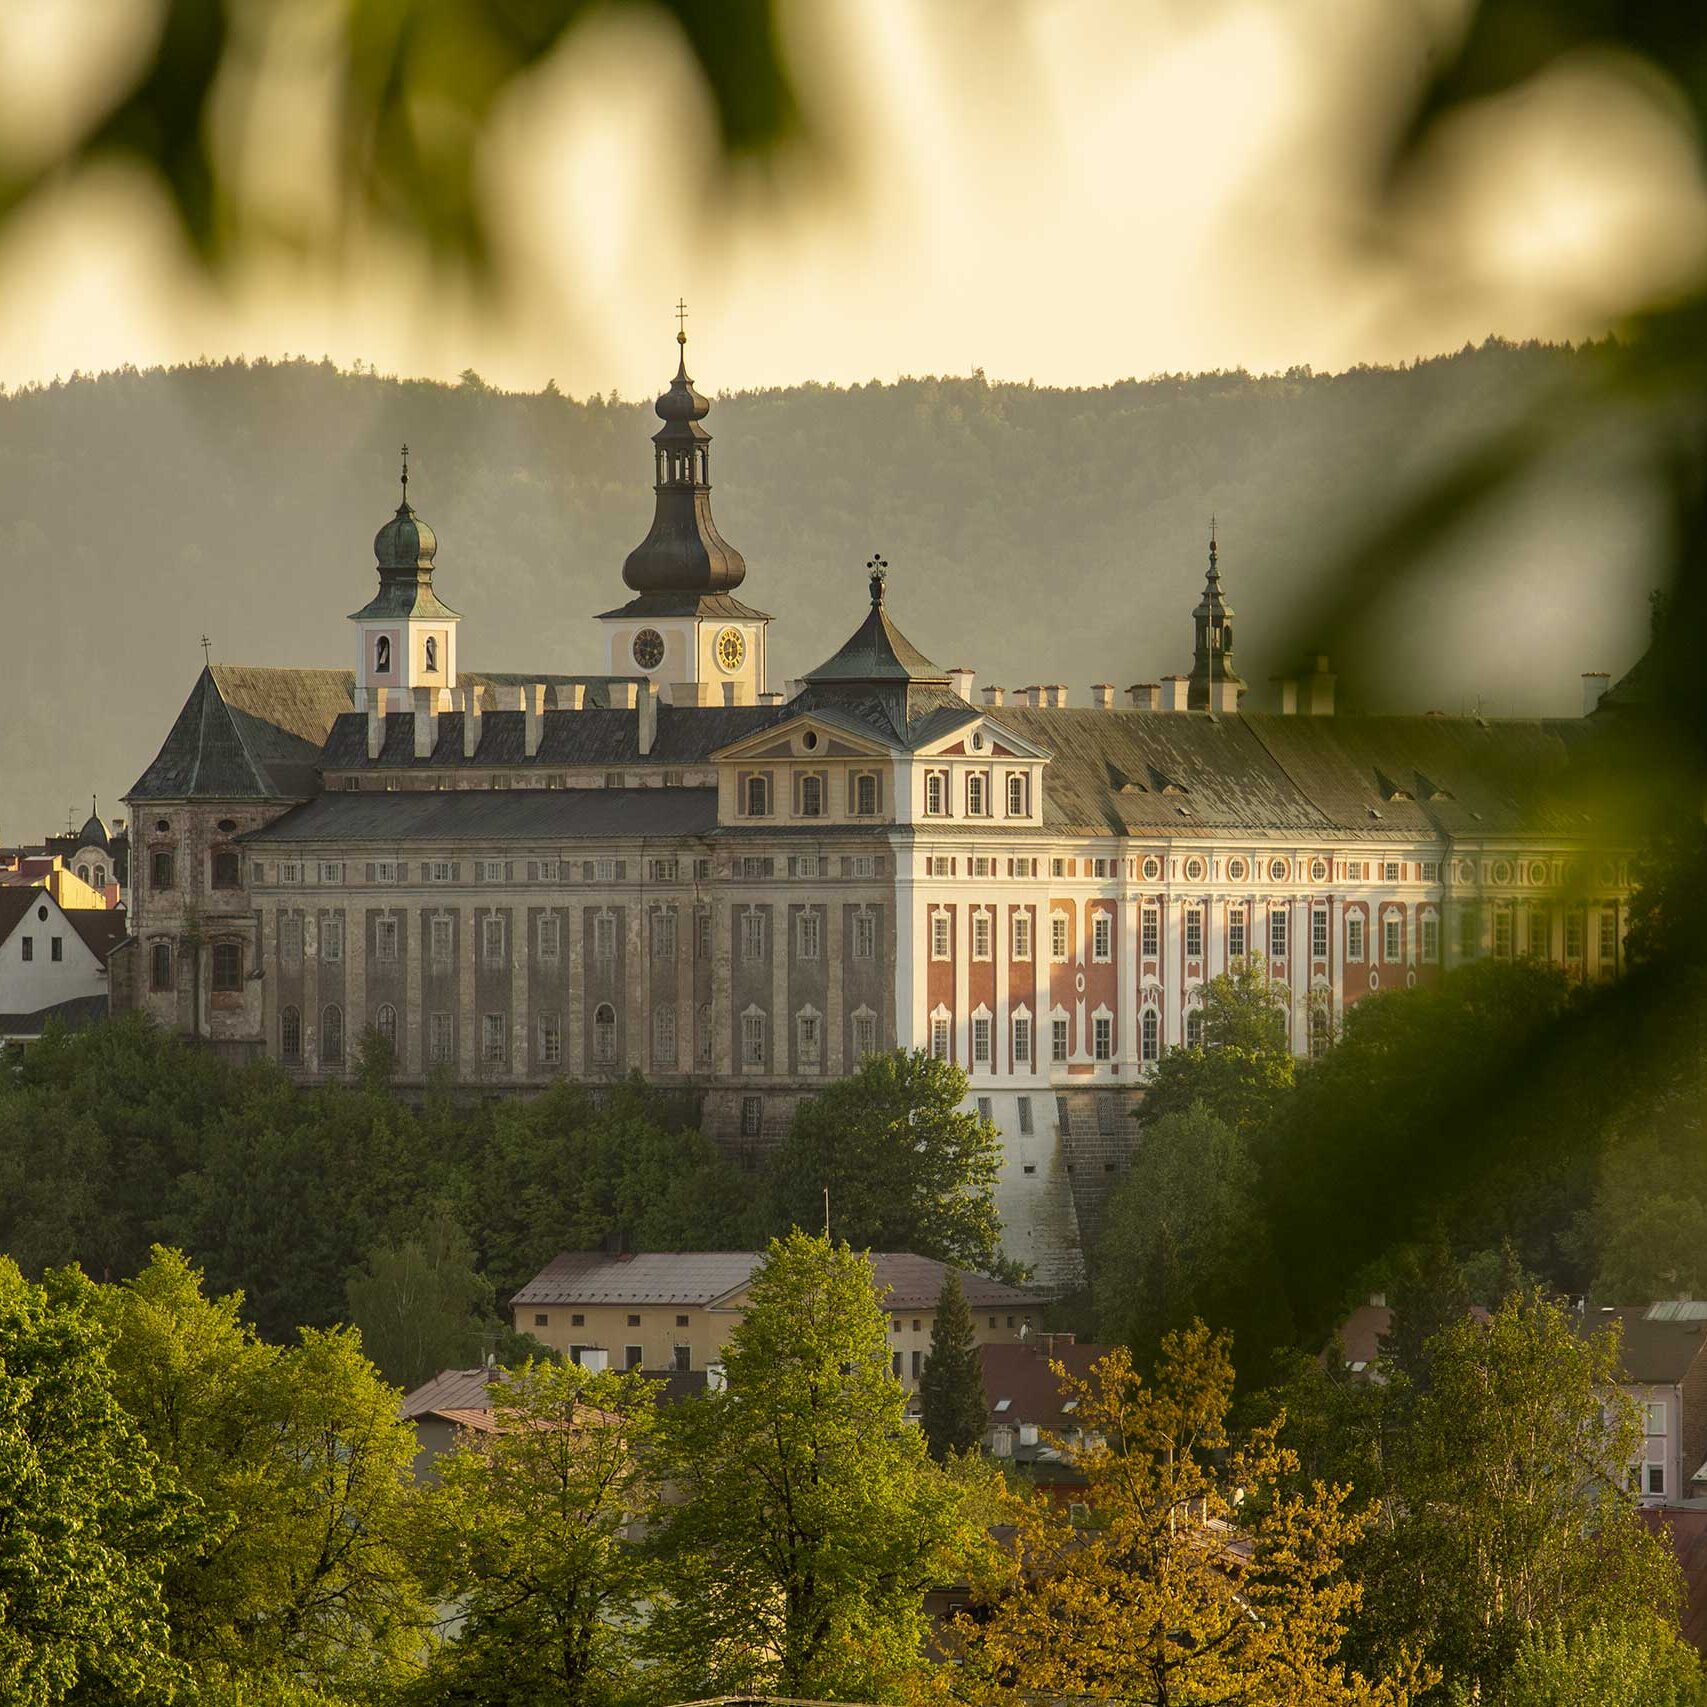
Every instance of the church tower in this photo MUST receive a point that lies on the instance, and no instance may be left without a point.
(685, 630)
(1214, 684)
(407, 638)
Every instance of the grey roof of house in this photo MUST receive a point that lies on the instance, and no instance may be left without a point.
(449, 1390)
(75, 1012)
(641, 1277)
(247, 733)
(915, 1283)
(1654, 1350)
(522, 814)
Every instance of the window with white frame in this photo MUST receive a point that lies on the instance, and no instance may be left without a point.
(604, 1035)
(981, 935)
(808, 1039)
(1429, 929)
(808, 933)
(1149, 1035)
(977, 794)
(1194, 933)
(551, 1040)
(806, 865)
(1018, 807)
(439, 1039)
(1235, 933)
(604, 936)
(809, 795)
(752, 934)
(492, 939)
(385, 939)
(864, 865)
(1102, 1037)
(756, 797)
(940, 865)
(491, 871)
(865, 795)
(1058, 1037)
(936, 794)
(981, 1040)
(940, 937)
(1022, 936)
(1429, 871)
(1057, 867)
(1102, 935)
(1150, 928)
(1022, 1040)
(1025, 866)
(864, 936)
(1574, 934)
(1194, 1028)
(1390, 871)
(1357, 870)
(702, 933)
(1319, 933)
(442, 936)
(1608, 936)
(1105, 868)
(491, 1037)
(1277, 933)
(332, 871)
(1392, 938)
(981, 865)
(331, 936)
(664, 934)
(939, 1036)
(1502, 933)
(664, 868)
(1354, 936)
(664, 1036)
(548, 870)
(442, 871)
(755, 865)
(550, 936)
(1060, 936)
(864, 1033)
(385, 871)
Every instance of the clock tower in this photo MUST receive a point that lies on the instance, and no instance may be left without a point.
(684, 629)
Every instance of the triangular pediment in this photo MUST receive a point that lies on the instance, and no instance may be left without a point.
(838, 738)
(998, 743)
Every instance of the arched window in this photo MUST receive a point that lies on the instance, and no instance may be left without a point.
(604, 1035)
(83, 872)
(1194, 1028)
(332, 1036)
(160, 966)
(228, 966)
(1149, 1035)
(382, 652)
(100, 877)
(290, 1034)
(385, 1023)
(432, 655)
(225, 869)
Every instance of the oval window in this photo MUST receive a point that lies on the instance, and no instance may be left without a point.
(1152, 868)
(1277, 870)
(1194, 870)
(1318, 871)
(1236, 870)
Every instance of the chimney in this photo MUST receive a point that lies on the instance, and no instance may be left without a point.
(533, 717)
(1595, 684)
(737, 693)
(471, 720)
(773, 699)
(571, 696)
(960, 679)
(426, 722)
(994, 696)
(648, 718)
(1174, 691)
(1055, 695)
(1318, 689)
(624, 696)
(375, 722)
(1145, 696)
(1102, 695)
(1288, 695)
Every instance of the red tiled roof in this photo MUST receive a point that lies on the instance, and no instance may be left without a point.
(1020, 1375)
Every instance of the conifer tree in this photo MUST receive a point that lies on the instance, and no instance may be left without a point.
(951, 1388)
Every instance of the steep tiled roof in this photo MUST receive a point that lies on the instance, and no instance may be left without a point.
(531, 814)
(1020, 1374)
(450, 1389)
(915, 1283)
(644, 1277)
(1654, 1350)
(101, 928)
(75, 1012)
(247, 733)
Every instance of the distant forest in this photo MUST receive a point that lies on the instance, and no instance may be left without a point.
(1034, 534)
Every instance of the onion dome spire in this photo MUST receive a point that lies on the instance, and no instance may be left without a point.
(403, 552)
(683, 553)
(1214, 684)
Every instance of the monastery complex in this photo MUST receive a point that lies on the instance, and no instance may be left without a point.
(735, 889)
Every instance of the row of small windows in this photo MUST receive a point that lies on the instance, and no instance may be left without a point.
(810, 791)
(662, 868)
(382, 654)
(977, 793)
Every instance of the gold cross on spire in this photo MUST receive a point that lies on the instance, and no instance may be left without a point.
(405, 471)
(681, 320)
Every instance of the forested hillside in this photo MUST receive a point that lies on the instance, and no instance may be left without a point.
(1034, 534)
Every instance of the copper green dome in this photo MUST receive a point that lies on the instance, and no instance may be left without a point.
(405, 543)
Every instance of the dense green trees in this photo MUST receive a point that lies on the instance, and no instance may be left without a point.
(951, 1385)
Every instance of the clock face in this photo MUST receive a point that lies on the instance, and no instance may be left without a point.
(649, 649)
(731, 648)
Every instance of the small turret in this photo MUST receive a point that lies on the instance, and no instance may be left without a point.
(1214, 684)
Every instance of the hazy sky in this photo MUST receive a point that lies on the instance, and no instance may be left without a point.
(1066, 190)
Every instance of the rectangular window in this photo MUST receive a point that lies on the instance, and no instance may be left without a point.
(864, 865)
(940, 865)
(752, 1123)
(808, 1040)
(1025, 866)
(865, 1035)
(864, 936)
(27, 948)
(752, 1040)
(56, 948)
(936, 793)
(1022, 1056)
(604, 936)
(1468, 933)
(865, 795)
(1277, 933)
(1102, 935)
(980, 1041)
(1390, 871)
(1573, 934)
(1429, 925)
(1102, 1037)
(492, 939)
(548, 870)
(914, 1365)
(940, 936)
(939, 1037)
(663, 870)
(491, 871)
(977, 794)
(664, 935)
(1608, 938)
(632, 1355)
(1502, 933)
(1318, 933)
(1152, 929)
(702, 934)
(756, 797)
(1025, 1114)
(1540, 933)
(290, 871)
(1022, 936)
(441, 929)
(1017, 807)
(606, 870)
(752, 936)
(755, 865)
(664, 1036)
(1058, 1039)
(331, 871)
(808, 933)
(806, 865)
(441, 871)
(1194, 933)
(439, 1038)
(491, 1037)
(981, 935)
(1060, 940)
(550, 936)
(550, 1040)
(1392, 938)
(160, 874)
(385, 871)
(1429, 871)
(809, 795)
(1149, 1035)
(1235, 933)
(1057, 867)
(1354, 936)
(385, 939)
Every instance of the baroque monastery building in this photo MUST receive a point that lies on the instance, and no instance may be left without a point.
(674, 869)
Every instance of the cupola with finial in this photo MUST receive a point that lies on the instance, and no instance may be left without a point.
(684, 630)
(1214, 684)
(406, 634)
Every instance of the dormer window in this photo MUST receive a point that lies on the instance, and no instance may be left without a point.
(977, 794)
(758, 796)
(1016, 794)
(382, 653)
(865, 795)
(432, 657)
(936, 793)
